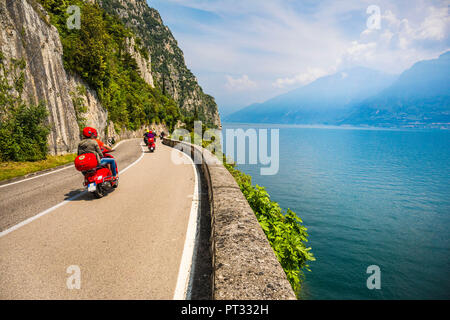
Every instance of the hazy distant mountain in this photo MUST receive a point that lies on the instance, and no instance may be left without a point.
(420, 97)
(322, 101)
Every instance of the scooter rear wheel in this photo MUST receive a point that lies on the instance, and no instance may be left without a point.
(99, 192)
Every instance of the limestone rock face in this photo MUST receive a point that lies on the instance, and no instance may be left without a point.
(144, 64)
(95, 116)
(169, 70)
(27, 34)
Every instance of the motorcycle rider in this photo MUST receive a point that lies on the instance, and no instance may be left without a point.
(149, 134)
(103, 145)
(90, 144)
(146, 136)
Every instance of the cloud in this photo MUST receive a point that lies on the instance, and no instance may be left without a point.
(239, 84)
(300, 79)
(358, 49)
(284, 44)
(436, 24)
(404, 37)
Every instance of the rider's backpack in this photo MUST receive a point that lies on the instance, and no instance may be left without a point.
(85, 162)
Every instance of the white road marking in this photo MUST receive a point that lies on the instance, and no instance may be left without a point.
(43, 213)
(184, 282)
(38, 176)
(139, 159)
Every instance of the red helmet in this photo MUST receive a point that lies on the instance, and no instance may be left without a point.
(89, 132)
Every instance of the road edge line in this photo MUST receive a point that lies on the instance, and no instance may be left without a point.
(183, 287)
(36, 176)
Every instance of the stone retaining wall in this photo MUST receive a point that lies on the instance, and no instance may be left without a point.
(244, 264)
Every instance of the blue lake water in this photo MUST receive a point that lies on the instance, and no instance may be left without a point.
(367, 197)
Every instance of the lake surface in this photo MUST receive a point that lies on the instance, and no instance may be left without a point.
(367, 197)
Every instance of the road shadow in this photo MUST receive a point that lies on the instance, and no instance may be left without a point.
(203, 270)
(78, 195)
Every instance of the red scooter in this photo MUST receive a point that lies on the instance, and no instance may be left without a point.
(151, 144)
(98, 178)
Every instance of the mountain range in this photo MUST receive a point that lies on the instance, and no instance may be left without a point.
(419, 97)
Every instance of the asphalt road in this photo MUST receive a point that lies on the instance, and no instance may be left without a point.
(23, 200)
(127, 245)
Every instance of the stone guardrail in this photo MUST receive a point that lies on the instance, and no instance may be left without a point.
(244, 264)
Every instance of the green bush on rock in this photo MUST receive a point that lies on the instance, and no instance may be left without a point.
(23, 131)
(97, 51)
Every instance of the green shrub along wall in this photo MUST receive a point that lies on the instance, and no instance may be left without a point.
(23, 132)
(97, 52)
(284, 229)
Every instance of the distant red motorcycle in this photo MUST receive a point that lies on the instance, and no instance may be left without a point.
(151, 144)
(98, 178)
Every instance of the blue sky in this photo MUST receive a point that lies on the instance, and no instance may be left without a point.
(247, 51)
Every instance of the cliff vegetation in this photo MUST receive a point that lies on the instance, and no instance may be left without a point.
(169, 68)
(97, 51)
(23, 132)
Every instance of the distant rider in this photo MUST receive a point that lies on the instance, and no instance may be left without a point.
(151, 134)
(146, 136)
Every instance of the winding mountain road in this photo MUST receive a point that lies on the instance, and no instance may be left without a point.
(127, 245)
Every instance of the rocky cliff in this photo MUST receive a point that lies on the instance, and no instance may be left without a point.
(144, 63)
(169, 68)
(27, 34)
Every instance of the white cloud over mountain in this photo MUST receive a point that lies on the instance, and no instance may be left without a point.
(248, 51)
(240, 83)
